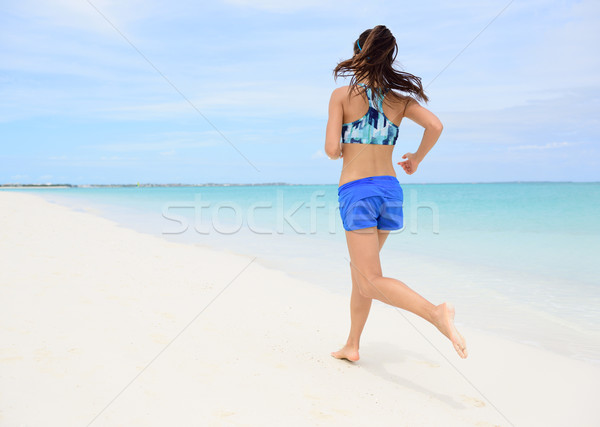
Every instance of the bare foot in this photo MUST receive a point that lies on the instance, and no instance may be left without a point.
(444, 321)
(346, 352)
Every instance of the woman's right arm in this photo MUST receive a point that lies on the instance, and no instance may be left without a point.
(333, 133)
(433, 129)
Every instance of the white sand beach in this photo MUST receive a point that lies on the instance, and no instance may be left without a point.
(105, 326)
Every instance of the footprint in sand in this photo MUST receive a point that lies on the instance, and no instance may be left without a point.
(430, 364)
(472, 401)
(159, 338)
(224, 413)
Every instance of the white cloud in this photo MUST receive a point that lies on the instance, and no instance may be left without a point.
(19, 177)
(547, 146)
(150, 146)
(318, 155)
(287, 6)
(115, 158)
(559, 49)
(82, 16)
(570, 115)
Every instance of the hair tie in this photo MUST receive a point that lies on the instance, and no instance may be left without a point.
(360, 48)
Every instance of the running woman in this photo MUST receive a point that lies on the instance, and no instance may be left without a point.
(364, 118)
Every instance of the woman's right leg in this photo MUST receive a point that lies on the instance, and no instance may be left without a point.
(363, 247)
(360, 306)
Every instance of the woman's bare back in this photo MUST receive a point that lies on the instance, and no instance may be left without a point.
(363, 160)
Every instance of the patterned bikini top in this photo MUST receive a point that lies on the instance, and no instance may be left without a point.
(372, 128)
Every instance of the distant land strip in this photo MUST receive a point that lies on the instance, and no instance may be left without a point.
(210, 184)
(213, 184)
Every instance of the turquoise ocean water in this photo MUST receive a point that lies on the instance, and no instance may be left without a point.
(517, 259)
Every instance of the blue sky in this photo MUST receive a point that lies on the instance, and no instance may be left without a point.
(80, 105)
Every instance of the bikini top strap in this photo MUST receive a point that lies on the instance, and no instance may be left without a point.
(369, 94)
(382, 98)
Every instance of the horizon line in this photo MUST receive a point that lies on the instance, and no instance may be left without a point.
(38, 185)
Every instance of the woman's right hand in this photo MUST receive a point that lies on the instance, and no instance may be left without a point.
(411, 164)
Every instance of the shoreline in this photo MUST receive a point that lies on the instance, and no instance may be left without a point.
(87, 304)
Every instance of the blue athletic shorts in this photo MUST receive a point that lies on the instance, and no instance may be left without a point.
(372, 201)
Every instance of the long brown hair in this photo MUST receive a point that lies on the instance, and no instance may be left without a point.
(374, 64)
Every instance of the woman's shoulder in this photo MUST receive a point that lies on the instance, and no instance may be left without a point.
(342, 89)
(341, 93)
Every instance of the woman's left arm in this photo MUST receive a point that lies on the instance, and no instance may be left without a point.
(333, 134)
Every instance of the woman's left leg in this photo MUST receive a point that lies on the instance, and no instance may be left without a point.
(359, 311)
